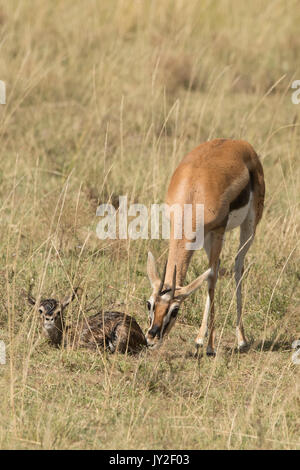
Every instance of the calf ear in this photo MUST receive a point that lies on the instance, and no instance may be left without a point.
(69, 298)
(29, 297)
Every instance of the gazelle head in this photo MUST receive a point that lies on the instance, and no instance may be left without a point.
(51, 315)
(164, 303)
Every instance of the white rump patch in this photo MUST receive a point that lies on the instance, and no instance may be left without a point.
(238, 216)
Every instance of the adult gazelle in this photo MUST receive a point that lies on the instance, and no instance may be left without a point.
(227, 177)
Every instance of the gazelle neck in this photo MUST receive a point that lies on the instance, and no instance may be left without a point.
(180, 258)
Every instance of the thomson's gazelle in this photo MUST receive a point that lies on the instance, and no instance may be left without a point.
(111, 330)
(227, 177)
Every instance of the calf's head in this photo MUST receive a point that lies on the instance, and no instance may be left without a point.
(51, 315)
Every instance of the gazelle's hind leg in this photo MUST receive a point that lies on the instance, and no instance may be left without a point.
(213, 246)
(247, 232)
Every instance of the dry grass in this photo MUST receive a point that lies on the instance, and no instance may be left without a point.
(104, 100)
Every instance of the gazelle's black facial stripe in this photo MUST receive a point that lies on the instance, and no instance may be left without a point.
(170, 317)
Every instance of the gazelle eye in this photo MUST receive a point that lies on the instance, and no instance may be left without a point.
(174, 312)
(149, 305)
(40, 310)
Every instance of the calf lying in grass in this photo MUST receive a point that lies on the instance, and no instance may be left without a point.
(110, 330)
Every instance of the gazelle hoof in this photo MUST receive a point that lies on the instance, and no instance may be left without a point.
(210, 352)
(199, 349)
(243, 347)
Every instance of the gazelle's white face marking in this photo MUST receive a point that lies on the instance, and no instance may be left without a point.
(150, 307)
(162, 312)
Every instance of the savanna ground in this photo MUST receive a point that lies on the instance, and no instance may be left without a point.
(103, 99)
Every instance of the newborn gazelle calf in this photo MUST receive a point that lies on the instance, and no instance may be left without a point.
(110, 330)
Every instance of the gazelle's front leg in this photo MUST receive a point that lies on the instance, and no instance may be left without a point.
(204, 325)
(213, 247)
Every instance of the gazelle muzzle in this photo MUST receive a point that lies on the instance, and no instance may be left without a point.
(154, 331)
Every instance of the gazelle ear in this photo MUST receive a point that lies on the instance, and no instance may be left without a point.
(69, 298)
(152, 272)
(29, 297)
(185, 291)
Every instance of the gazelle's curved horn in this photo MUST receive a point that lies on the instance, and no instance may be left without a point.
(173, 283)
(163, 279)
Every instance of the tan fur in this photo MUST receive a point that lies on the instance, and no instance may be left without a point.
(213, 174)
(115, 331)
